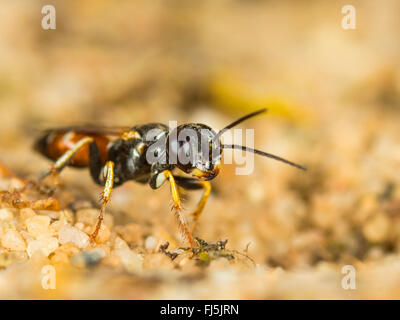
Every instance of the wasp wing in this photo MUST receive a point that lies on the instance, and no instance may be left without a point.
(91, 129)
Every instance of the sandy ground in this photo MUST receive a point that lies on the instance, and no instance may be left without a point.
(333, 97)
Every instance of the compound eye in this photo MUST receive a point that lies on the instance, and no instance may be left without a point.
(185, 149)
(182, 147)
(181, 151)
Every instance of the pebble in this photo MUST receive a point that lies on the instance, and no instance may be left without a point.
(54, 215)
(131, 233)
(6, 214)
(45, 245)
(69, 233)
(80, 226)
(27, 237)
(377, 229)
(15, 183)
(87, 216)
(130, 260)
(64, 252)
(26, 213)
(38, 226)
(150, 243)
(157, 261)
(13, 240)
(57, 225)
(66, 216)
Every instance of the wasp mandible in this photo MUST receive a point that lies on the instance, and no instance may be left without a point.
(144, 153)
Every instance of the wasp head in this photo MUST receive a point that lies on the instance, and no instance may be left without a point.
(194, 149)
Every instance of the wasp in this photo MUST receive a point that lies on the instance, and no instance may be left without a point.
(149, 154)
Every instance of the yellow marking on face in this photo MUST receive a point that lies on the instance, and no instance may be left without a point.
(206, 174)
(198, 173)
(132, 134)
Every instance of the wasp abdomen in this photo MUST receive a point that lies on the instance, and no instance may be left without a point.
(54, 144)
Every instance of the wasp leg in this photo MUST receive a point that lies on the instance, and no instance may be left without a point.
(174, 190)
(203, 200)
(157, 179)
(66, 158)
(193, 184)
(105, 197)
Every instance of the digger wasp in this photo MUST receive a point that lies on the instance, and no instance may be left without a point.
(144, 153)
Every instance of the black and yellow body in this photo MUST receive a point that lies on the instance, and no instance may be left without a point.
(138, 154)
(150, 153)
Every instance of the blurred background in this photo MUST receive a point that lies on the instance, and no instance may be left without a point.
(334, 103)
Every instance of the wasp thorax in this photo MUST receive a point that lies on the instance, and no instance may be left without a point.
(194, 149)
